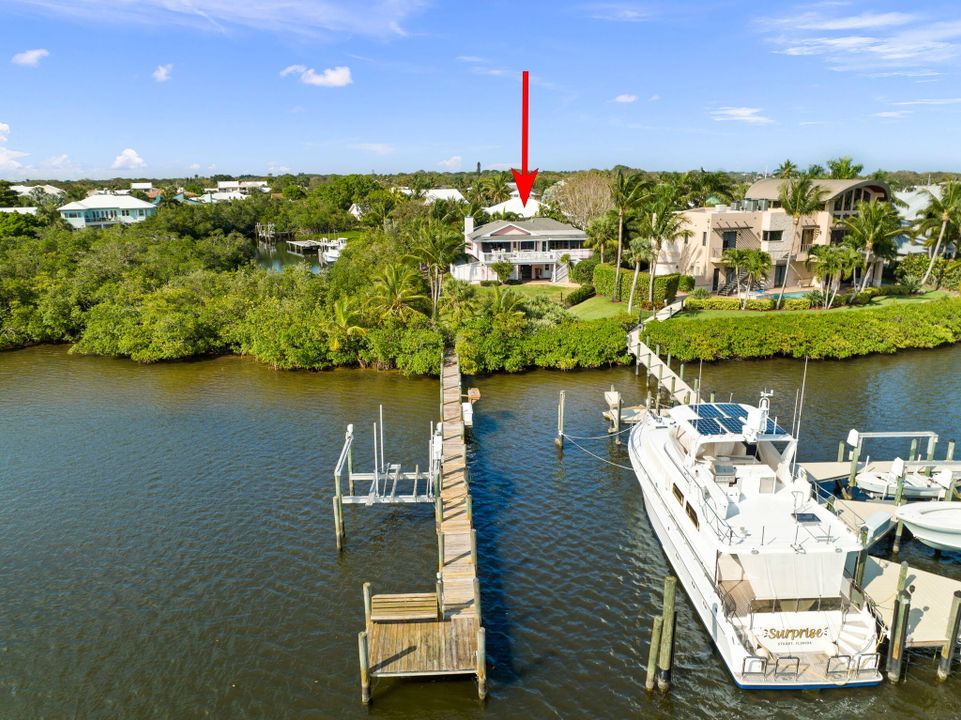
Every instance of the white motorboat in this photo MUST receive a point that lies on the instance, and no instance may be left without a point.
(768, 569)
(936, 524)
(917, 485)
(330, 249)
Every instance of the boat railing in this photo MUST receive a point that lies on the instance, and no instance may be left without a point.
(719, 525)
(830, 501)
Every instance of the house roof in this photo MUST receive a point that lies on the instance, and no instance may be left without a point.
(19, 210)
(769, 188)
(514, 205)
(27, 189)
(107, 202)
(916, 200)
(535, 227)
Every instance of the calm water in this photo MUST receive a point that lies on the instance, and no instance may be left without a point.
(276, 257)
(168, 547)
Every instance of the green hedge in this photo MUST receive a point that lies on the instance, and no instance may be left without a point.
(583, 272)
(685, 283)
(829, 334)
(732, 303)
(584, 292)
(665, 286)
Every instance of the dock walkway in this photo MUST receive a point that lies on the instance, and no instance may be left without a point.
(426, 634)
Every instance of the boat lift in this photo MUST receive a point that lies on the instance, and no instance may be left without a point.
(388, 484)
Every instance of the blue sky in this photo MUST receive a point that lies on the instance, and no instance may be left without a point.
(99, 88)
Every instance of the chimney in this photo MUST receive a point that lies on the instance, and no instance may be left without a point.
(468, 225)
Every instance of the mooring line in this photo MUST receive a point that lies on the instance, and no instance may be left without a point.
(609, 462)
(598, 437)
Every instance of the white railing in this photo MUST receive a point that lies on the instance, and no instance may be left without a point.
(533, 256)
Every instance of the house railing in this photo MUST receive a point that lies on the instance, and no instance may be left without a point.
(533, 256)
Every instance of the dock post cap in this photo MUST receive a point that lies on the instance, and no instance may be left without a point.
(854, 437)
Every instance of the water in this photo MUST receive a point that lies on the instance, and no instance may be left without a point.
(276, 257)
(168, 545)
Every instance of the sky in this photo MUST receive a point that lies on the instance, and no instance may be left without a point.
(173, 88)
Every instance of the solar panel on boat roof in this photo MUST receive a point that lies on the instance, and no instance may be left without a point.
(731, 409)
(774, 429)
(731, 424)
(709, 411)
(706, 426)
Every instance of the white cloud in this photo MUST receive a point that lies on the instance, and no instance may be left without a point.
(619, 11)
(331, 18)
(470, 59)
(451, 163)
(58, 161)
(331, 77)
(748, 115)
(296, 109)
(4, 129)
(931, 101)
(30, 58)
(654, 98)
(128, 159)
(864, 21)
(162, 73)
(375, 148)
(8, 159)
(625, 98)
(892, 114)
(193, 166)
(276, 168)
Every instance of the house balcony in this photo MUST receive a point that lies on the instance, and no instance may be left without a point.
(524, 257)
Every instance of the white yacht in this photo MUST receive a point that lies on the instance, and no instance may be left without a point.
(767, 567)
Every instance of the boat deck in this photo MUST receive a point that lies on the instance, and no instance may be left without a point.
(930, 603)
(824, 471)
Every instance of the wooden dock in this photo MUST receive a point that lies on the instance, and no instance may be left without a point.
(439, 633)
(930, 602)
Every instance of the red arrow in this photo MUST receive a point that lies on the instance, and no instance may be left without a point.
(524, 179)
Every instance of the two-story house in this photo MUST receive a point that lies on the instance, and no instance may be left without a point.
(101, 210)
(534, 247)
(759, 223)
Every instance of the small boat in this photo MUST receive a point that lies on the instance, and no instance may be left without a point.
(936, 524)
(917, 486)
(768, 569)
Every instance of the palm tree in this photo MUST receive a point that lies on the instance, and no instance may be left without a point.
(941, 211)
(786, 169)
(492, 189)
(602, 234)
(844, 168)
(732, 257)
(505, 307)
(459, 302)
(395, 295)
(757, 265)
(435, 246)
(872, 230)
(833, 263)
(799, 197)
(639, 249)
(666, 223)
(626, 191)
(342, 327)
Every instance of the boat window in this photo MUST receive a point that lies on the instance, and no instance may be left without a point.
(691, 514)
(679, 495)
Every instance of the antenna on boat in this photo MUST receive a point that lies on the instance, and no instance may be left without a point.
(700, 385)
(800, 411)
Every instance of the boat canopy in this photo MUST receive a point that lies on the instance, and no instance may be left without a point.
(729, 421)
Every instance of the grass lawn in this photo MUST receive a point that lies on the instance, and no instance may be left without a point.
(599, 307)
(878, 302)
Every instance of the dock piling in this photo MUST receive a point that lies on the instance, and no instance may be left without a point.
(950, 647)
(367, 606)
(652, 653)
(665, 655)
(897, 662)
(712, 396)
(853, 472)
(950, 454)
(440, 596)
(481, 664)
(617, 420)
(913, 455)
(899, 527)
(440, 552)
(339, 522)
(559, 440)
(841, 451)
(862, 557)
(364, 667)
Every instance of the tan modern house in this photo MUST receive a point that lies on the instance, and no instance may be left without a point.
(759, 223)
(534, 247)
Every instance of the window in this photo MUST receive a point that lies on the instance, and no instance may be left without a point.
(807, 239)
(772, 235)
(692, 515)
(678, 495)
(729, 239)
(704, 239)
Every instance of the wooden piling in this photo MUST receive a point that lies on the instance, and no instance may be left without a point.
(665, 655)
(440, 551)
(712, 396)
(899, 527)
(559, 440)
(473, 546)
(932, 445)
(862, 560)
(339, 522)
(853, 472)
(469, 509)
(950, 647)
(617, 420)
(367, 606)
(652, 654)
(364, 667)
(481, 664)
(439, 589)
(841, 451)
(897, 663)
(950, 454)
(913, 455)
(681, 372)
(477, 599)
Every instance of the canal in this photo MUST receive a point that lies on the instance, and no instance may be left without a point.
(168, 544)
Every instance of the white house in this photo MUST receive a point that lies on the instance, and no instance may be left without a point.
(515, 206)
(19, 210)
(912, 204)
(534, 247)
(240, 186)
(143, 186)
(435, 194)
(104, 210)
(356, 210)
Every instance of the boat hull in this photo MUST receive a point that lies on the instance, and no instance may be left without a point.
(937, 524)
